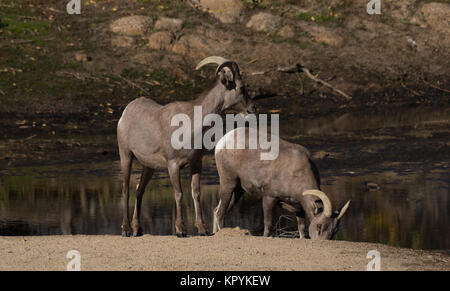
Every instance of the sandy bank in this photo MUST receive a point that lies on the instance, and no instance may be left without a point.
(230, 249)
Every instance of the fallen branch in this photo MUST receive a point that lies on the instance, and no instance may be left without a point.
(411, 90)
(83, 77)
(299, 68)
(23, 41)
(434, 86)
(31, 137)
(55, 10)
(78, 76)
(133, 84)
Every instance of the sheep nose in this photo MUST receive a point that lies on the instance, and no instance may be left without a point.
(251, 108)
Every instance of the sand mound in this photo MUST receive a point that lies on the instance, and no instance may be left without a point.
(232, 232)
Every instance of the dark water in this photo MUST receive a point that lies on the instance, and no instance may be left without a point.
(411, 208)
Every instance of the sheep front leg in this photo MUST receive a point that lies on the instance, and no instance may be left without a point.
(174, 173)
(195, 188)
(301, 226)
(268, 203)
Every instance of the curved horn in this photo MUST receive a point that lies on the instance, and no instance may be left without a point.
(342, 212)
(327, 209)
(212, 60)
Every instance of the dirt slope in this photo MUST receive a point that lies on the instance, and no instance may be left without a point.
(66, 77)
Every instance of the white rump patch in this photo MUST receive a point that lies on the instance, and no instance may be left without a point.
(234, 137)
(256, 140)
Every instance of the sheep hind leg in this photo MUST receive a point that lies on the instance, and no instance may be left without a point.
(226, 196)
(146, 175)
(126, 160)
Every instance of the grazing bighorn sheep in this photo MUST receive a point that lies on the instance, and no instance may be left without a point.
(144, 132)
(291, 178)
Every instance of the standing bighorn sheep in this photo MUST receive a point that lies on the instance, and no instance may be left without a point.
(291, 178)
(144, 132)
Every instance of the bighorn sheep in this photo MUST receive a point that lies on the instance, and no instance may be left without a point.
(144, 132)
(291, 179)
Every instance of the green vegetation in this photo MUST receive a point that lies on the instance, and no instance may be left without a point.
(172, 6)
(19, 23)
(25, 27)
(294, 2)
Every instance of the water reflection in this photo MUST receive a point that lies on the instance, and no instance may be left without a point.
(405, 152)
(362, 123)
(410, 209)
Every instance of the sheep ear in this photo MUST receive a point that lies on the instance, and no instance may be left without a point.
(317, 209)
(226, 77)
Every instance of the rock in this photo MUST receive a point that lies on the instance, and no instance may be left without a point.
(81, 57)
(400, 10)
(286, 31)
(147, 58)
(199, 46)
(372, 186)
(264, 22)
(131, 25)
(193, 43)
(122, 41)
(171, 24)
(412, 43)
(419, 21)
(176, 65)
(232, 232)
(171, 63)
(160, 40)
(437, 16)
(324, 35)
(227, 11)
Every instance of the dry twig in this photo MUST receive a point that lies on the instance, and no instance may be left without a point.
(83, 77)
(282, 231)
(23, 41)
(434, 86)
(132, 83)
(299, 68)
(409, 89)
